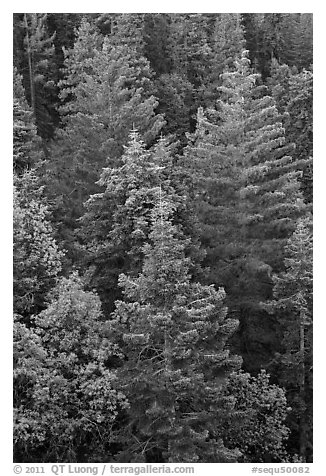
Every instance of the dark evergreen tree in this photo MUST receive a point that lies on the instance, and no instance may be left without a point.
(286, 37)
(279, 85)
(117, 221)
(299, 125)
(293, 93)
(227, 43)
(248, 199)
(292, 305)
(190, 51)
(176, 94)
(305, 38)
(26, 143)
(39, 72)
(254, 38)
(156, 32)
(173, 335)
(128, 30)
(109, 92)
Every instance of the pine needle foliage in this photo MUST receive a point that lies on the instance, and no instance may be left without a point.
(173, 334)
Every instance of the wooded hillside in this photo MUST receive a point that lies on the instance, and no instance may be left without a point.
(162, 237)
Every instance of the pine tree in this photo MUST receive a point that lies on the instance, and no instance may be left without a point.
(117, 221)
(38, 70)
(65, 403)
(248, 197)
(173, 334)
(292, 305)
(286, 37)
(156, 32)
(305, 41)
(293, 93)
(190, 52)
(279, 84)
(299, 126)
(37, 258)
(175, 94)
(227, 43)
(107, 93)
(128, 31)
(254, 40)
(26, 143)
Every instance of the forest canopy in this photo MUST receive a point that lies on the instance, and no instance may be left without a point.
(162, 234)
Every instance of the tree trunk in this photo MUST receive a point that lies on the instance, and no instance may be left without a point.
(303, 439)
(30, 68)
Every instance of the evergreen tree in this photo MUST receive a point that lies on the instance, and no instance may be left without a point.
(293, 93)
(286, 37)
(65, 403)
(190, 52)
(37, 259)
(279, 85)
(292, 305)
(254, 40)
(175, 94)
(109, 92)
(117, 221)
(64, 26)
(38, 70)
(156, 32)
(128, 31)
(290, 34)
(26, 143)
(248, 198)
(305, 40)
(299, 125)
(173, 334)
(227, 43)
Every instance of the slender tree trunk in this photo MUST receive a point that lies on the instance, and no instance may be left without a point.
(168, 368)
(30, 68)
(303, 439)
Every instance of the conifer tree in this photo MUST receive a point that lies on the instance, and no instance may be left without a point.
(38, 75)
(37, 258)
(128, 31)
(117, 221)
(227, 43)
(299, 126)
(304, 41)
(188, 46)
(173, 334)
(279, 84)
(175, 94)
(293, 93)
(248, 196)
(292, 305)
(108, 91)
(156, 32)
(26, 143)
(190, 52)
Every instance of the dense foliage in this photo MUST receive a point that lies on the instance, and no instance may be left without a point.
(162, 237)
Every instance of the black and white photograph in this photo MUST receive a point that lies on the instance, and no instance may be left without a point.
(162, 239)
